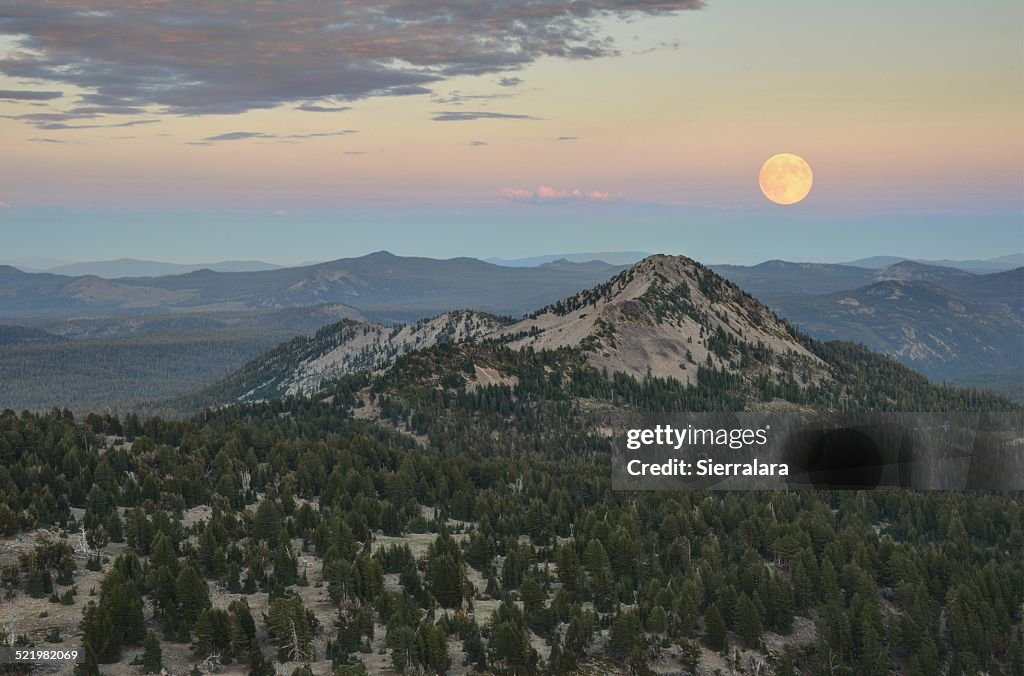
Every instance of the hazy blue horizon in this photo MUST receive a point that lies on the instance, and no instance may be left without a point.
(739, 236)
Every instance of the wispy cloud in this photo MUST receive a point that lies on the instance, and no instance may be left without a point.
(674, 45)
(316, 108)
(200, 57)
(477, 144)
(236, 136)
(510, 81)
(318, 134)
(468, 115)
(547, 194)
(28, 95)
(52, 126)
(59, 119)
(567, 138)
(246, 135)
(4, 205)
(46, 140)
(457, 98)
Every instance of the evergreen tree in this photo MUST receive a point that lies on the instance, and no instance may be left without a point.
(285, 566)
(152, 655)
(445, 579)
(714, 629)
(401, 639)
(625, 636)
(98, 635)
(290, 629)
(122, 605)
(267, 523)
(163, 554)
(748, 621)
(114, 527)
(193, 597)
(212, 633)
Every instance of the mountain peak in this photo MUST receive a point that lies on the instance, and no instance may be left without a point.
(666, 316)
(917, 271)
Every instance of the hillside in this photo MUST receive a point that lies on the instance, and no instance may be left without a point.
(931, 329)
(25, 335)
(136, 361)
(943, 321)
(772, 280)
(303, 364)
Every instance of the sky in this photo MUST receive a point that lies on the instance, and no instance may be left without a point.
(199, 130)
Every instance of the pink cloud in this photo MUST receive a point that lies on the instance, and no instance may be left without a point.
(4, 205)
(546, 193)
(280, 212)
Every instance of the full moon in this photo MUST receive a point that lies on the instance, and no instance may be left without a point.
(785, 178)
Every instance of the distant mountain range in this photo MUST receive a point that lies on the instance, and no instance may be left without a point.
(381, 285)
(133, 267)
(943, 322)
(611, 257)
(977, 266)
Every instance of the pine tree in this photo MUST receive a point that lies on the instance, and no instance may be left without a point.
(433, 648)
(714, 629)
(748, 621)
(114, 526)
(193, 597)
(289, 629)
(244, 627)
(624, 636)
(402, 642)
(36, 584)
(657, 621)
(163, 554)
(207, 550)
(162, 592)
(267, 523)
(391, 523)
(212, 633)
(578, 635)
(139, 534)
(97, 635)
(152, 655)
(473, 646)
(445, 580)
(285, 566)
(121, 603)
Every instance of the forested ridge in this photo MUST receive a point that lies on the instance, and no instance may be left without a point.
(474, 528)
(122, 373)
